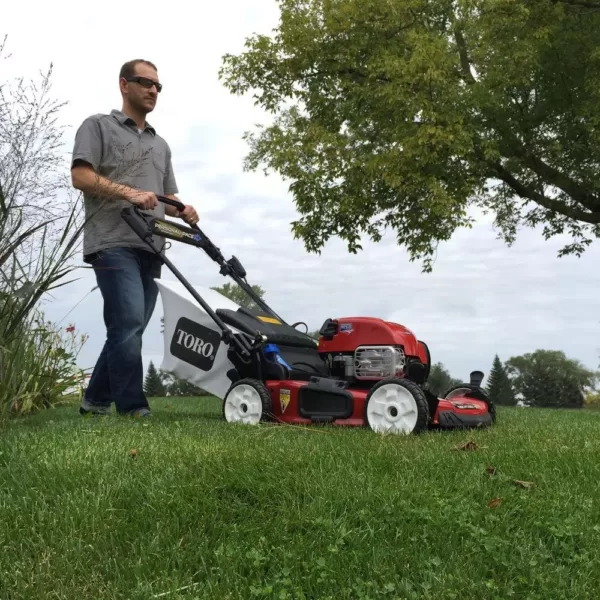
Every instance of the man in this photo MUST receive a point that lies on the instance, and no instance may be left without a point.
(119, 160)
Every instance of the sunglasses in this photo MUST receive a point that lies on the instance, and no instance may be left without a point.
(147, 83)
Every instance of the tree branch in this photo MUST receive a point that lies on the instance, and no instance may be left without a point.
(465, 63)
(553, 205)
(582, 3)
(549, 174)
(553, 176)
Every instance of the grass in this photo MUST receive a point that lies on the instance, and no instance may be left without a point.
(206, 510)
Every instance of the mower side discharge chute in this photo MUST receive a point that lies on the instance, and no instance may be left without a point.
(361, 372)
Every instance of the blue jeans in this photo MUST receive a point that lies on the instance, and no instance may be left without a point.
(125, 278)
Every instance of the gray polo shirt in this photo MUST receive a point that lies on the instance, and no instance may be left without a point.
(117, 150)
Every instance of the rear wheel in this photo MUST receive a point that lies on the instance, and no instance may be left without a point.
(471, 391)
(397, 406)
(247, 401)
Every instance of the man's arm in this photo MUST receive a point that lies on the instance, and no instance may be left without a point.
(84, 178)
(87, 155)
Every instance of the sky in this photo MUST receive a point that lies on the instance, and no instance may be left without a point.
(483, 298)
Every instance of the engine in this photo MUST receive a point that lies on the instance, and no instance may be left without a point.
(369, 363)
(363, 351)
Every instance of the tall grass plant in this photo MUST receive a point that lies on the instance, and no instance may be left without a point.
(40, 227)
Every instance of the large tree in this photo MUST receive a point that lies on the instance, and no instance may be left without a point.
(550, 378)
(405, 114)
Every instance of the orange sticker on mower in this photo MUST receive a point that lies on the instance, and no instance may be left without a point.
(269, 320)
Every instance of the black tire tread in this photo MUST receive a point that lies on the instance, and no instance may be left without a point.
(263, 392)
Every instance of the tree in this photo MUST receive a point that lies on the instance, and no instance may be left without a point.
(549, 378)
(499, 387)
(592, 400)
(236, 294)
(407, 114)
(153, 385)
(440, 380)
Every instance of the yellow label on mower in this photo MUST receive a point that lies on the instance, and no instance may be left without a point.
(169, 229)
(269, 320)
(284, 399)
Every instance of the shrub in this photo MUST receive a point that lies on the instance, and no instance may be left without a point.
(39, 230)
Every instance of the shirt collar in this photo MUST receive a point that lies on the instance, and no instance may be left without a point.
(125, 120)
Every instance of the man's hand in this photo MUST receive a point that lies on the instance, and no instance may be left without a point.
(142, 199)
(189, 215)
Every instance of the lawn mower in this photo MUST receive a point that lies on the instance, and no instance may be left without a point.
(365, 372)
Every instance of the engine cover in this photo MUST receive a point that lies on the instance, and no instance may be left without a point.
(347, 334)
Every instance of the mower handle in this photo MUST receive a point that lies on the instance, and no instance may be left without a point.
(231, 267)
(178, 205)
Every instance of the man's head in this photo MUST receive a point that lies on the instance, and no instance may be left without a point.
(139, 84)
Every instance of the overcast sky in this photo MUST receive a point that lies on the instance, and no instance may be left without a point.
(483, 298)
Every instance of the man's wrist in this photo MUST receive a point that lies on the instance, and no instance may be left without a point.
(129, 194)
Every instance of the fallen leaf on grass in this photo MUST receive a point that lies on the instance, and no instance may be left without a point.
(490, 471)
(470, 445)
(523, 484)
(495, 503)
(133, 453)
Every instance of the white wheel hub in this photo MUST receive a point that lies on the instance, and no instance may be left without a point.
(392, 409)
(243, 405)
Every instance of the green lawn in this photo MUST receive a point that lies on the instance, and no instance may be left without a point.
(209, 510)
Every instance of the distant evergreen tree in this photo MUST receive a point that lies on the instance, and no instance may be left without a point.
(153, 385)
(499, 386)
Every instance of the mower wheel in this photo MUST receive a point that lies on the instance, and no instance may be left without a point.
(248, 402)
(471, 391)
(397, 406)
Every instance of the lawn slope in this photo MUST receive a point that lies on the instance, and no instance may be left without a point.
(185, 506)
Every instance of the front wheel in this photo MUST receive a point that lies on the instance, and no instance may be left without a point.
(248, 401)
(397, 406)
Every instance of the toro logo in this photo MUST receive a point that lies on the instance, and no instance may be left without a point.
(195, 344)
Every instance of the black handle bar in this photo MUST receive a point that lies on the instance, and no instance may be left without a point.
(178, 205)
